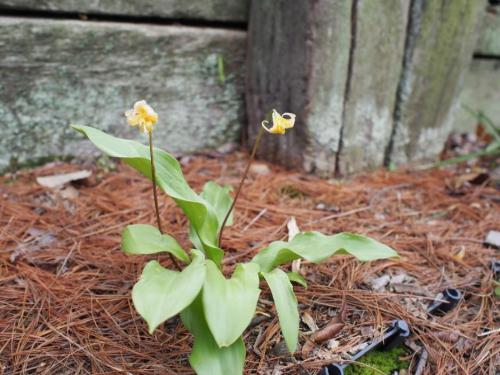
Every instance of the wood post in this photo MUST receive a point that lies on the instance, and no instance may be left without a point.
(370, 81)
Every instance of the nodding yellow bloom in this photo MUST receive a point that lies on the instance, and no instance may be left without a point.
(280, 122)
(143, 116)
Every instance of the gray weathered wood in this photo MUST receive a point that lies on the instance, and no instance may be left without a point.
(339, 78)
(376, 62)
(297, 62)
(439, 49)
(481, 92)
(489, 36)
(214, 10)
(54, 73)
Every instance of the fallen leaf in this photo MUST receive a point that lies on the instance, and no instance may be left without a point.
(459, 256)
(293, 228)
(260, 168)
(38, 240)
(378, 284)
(309, 322)
(58, 180)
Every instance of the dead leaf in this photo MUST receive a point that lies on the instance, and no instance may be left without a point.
(309, 322)
(260, 168)
(378, 284)
(459, 256)
(39, 239)
(293, 228)
(58, 180)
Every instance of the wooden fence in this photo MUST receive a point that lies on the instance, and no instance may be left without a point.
(372, 81)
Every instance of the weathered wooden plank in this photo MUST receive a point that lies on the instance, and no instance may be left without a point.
(439, 49)
(56, 72)
(298, 62)
(339, 77)
(489, 36)
(376, 62)
(481, 93)
(214, 10)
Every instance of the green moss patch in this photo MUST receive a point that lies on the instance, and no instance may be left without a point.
(384, 361)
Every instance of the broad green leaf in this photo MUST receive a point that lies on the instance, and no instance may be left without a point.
(220, 199)
(316, 247)
(207, 358)
(230, 305)
(297, 278)
(286, 306)
(146, 239)
(161, 293)
(170, 179)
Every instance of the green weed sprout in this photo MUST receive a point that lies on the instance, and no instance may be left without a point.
(216, 310)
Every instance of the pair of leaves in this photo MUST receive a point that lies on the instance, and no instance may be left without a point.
(314, 247)
(230, 305)
(207, 358)
(162, 293)
(204, 218)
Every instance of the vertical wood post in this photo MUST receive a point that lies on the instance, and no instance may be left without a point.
(370, 81)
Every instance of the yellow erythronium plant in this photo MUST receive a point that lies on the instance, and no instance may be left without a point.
(280, 122)
(143, 116)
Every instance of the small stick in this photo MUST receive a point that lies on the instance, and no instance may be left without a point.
(157, 210)
(422, 362)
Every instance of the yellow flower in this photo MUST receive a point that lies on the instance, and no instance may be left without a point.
(143, 116)
(280, 122)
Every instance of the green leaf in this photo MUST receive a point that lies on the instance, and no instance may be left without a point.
(297, 278)
(230, 304)
(140, 239)
(207, 358)
(161, 293)
(316, 247)
(286, 306)
(170, 179)
(220, 199)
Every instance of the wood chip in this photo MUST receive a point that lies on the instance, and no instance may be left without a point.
(58, 180)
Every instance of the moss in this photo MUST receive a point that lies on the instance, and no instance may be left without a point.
(384, 361)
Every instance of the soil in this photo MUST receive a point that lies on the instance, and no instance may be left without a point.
(65, 304)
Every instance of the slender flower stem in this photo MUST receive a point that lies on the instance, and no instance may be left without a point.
(245, 173)
(155, 196)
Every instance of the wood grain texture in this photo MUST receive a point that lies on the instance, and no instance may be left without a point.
(489, 36)
(297, 62)
(481, 93)
(54, 73)
(376, 63)
(438, 52)
(214, 10)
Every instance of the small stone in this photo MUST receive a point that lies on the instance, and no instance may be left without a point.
(260, 168)
(493, 238)
(332, 344)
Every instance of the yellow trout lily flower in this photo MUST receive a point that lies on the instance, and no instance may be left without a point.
(143, 116)
(280, 122)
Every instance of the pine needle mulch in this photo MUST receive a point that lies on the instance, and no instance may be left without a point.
(65, 304)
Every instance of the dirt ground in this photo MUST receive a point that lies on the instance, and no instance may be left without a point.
(65, 304)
